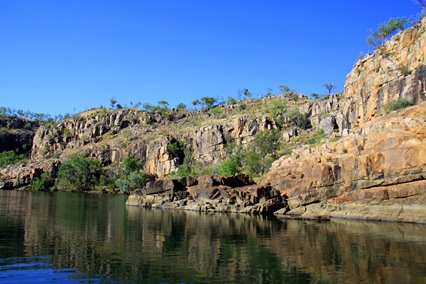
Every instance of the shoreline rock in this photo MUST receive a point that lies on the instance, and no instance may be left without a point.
(210, 193)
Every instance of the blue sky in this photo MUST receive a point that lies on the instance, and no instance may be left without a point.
(59, 56)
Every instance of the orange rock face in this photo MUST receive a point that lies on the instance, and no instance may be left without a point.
(381, 167)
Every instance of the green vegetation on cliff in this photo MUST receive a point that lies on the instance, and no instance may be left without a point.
(78, 173)
(10, 157)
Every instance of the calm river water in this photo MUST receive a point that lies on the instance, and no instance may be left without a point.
(82, 238)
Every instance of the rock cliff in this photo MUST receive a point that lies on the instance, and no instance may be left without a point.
(17, 134)
(376, 173)
(379, 159)
(377, 170)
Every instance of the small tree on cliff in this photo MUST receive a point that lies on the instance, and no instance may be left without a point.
(208, 102)
(386, 30)
(262, 151)
(112, 101)
(247, 93)
(329, 87)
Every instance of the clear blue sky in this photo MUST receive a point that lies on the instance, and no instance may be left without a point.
(65, 56)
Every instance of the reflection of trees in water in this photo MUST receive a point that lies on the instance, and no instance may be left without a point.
(100, 235)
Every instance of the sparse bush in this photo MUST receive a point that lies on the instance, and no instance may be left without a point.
(334, 139)
(189, 167)
(27, 125)
(294, 97)
(247, 93)
(127, 133)
(181, 106)
(137, 180)
(112, 101)
(317, 136)
(405, 70)
(67, 133)
(400, 103)
(284, 89)
(107, 181)
(315, 96)
(231, 100)
(45, 149)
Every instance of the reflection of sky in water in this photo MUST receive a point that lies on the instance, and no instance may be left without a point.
(37, 269)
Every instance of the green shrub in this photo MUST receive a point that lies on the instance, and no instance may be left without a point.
(27, 125)
(42, 183)
(317, 136)
(230, 167)
(122, 184)
(78, 173)
(334, 139)
(45, 149)
(176, 149)
(10, 158)
(67, 133)
(181, 106)
(130, 165)
(137, 180)
(400, 103)
(107, 181)
(260, 154)
(217, 110)
(405, 70)
(276, 111)
(231, 100)
(297, 119)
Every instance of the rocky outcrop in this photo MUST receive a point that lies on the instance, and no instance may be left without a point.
(378, 173)
(17, 134)
(20, 176)
(397, 69)
(80, 130)
(237, 194)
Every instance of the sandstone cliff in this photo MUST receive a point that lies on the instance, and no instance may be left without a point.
(379, 159)
(376, 173)
(377, 170)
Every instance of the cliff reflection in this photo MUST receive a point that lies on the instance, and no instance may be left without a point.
(102, 237)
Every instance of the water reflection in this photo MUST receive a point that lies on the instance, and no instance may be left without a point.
(98, 236)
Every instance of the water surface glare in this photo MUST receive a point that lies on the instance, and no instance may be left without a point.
(89, 238)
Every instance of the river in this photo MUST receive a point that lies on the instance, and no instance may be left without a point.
(89, 238)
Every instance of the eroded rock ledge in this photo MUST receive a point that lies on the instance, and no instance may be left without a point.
(238, 194)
